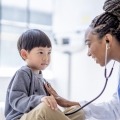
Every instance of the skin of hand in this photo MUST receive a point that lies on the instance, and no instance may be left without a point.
(50, 101)
(61, 101)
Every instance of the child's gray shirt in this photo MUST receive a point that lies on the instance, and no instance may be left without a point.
(24, 93)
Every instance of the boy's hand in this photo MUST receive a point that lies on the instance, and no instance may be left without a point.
(50, 101)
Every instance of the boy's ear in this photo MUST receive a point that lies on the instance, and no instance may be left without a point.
(23, 54)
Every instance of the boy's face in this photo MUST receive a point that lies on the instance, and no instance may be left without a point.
(38, 58)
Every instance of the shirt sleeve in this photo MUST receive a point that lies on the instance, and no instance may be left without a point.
(18, 94)
(103, 111)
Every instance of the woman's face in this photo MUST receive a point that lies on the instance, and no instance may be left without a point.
(96, 47)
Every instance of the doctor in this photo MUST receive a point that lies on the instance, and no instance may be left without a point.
(103, 40)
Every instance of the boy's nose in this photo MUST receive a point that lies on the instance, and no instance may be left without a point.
(45, 58)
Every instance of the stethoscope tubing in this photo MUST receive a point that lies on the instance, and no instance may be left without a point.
(106, 81)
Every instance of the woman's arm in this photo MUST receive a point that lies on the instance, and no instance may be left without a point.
(60, 100)
(103, 111)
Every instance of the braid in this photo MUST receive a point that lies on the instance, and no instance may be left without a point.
(109, 21)
(112, 6)
(105, 23)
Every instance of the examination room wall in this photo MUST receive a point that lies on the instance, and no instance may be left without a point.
(87, 77)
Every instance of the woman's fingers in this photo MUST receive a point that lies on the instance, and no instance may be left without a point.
(50, 90)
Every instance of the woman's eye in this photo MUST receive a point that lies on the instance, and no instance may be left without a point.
(88, 44)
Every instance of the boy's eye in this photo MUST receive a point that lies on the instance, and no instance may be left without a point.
(49, 53)
(40, 52)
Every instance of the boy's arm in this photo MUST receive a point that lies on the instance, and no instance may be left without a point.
(19, 93)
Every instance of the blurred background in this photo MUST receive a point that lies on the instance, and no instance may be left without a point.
(72, 73)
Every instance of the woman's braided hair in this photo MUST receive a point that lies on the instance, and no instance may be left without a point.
(109, 21)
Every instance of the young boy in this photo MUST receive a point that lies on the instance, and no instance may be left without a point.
(26, 89)
(27, 98)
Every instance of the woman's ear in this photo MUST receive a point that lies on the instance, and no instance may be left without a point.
(108, 37)
(23, 54)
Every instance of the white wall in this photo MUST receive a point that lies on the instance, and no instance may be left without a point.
(87, 78)
(70, 15)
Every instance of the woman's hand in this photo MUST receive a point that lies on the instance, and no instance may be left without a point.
(50, 90)
(65, 103)
(61, 101)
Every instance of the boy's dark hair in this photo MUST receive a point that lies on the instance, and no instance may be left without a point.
(109, 21)
(33, 38)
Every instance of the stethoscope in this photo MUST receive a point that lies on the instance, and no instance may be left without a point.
(106, 81)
